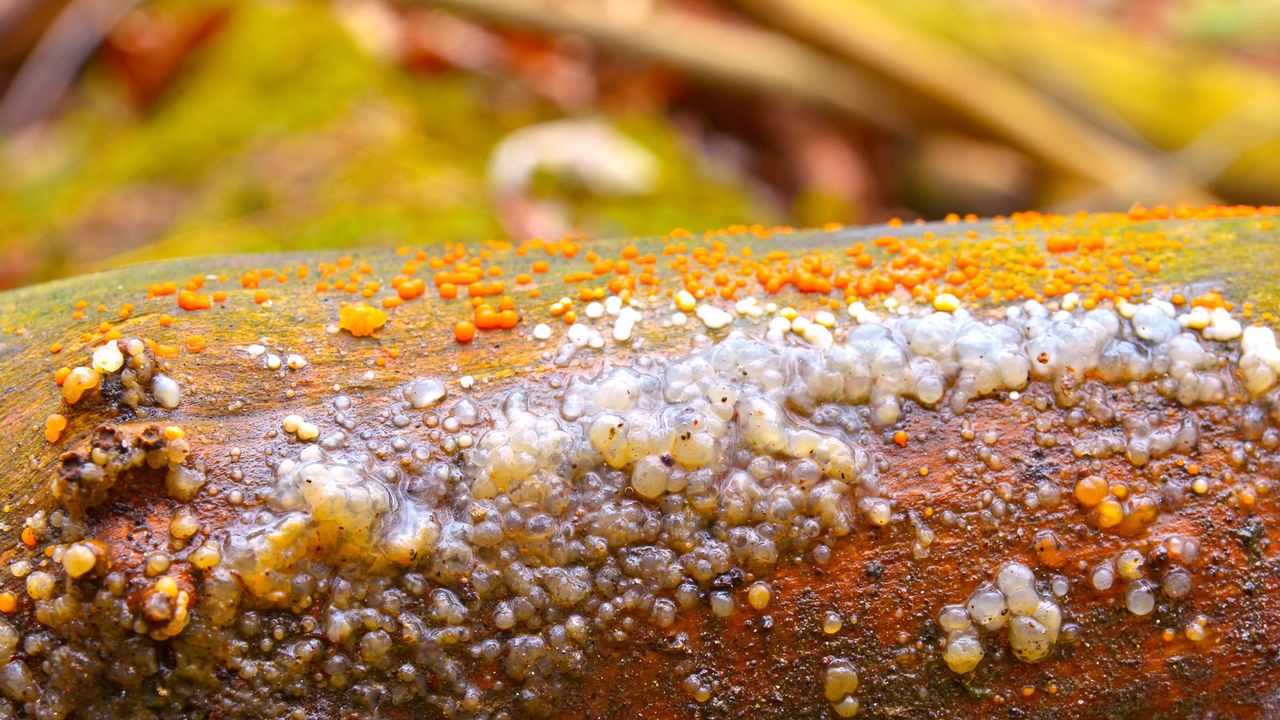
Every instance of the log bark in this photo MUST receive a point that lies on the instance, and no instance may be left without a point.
(762, 664)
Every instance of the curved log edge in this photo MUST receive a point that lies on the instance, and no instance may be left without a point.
(966, 489)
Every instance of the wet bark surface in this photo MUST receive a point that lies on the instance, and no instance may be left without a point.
(760, 664)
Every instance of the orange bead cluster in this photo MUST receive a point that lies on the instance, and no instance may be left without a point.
(1096, 258)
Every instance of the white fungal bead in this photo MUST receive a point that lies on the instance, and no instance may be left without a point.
(307, 431)
(1023, 601)
(1060, 585)
(685, 301)
(878, 512)
(713, 317)
(1102, 577)
(987, 608)
(1049, 614)
(954, 617)
(817, 335)
(963, 652)
(1140, 597)
(721, 604)
(625, 325)
(166, 391)
(1014, 576)
(1222, 327)
(424, 393)
(1176, 583)
(1259, 359)
(184, 524)
(78, 560)
(1195, 630)
(649, 478)
(1029, 639)
(108, 358)
(1151, 323)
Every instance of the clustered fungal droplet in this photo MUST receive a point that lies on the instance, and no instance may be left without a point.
(78, 382)
(83, 557)
(127, 370)
(86, 476)
(1127, 572)
(839, 683)
(1032, 617)
(361, 319)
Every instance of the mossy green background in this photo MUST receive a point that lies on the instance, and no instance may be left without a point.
(283, 133)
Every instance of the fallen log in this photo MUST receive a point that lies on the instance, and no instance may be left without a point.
(1017, 468)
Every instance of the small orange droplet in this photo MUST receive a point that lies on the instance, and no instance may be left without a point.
(1091, 490)
(464, 331)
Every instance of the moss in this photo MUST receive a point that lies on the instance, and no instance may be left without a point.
(1239, 256)
(284, 134)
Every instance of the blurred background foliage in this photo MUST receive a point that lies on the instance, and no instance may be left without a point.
(139, 130)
